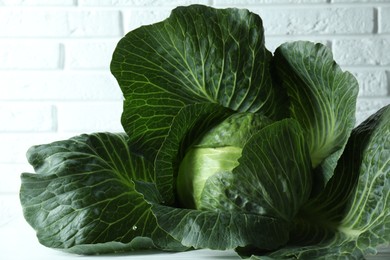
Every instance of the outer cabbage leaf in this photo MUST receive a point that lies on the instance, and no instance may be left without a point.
(322, 98)
(84, 196)
(350, 218)
(273, 177)
(221, 230)
(198, 55)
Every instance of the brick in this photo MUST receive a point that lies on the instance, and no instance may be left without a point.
(146, 3)
(15, 145)
(272, 43)
(14, 148)
(384, 22)
(135, 18)
(95, 23)
(10, 176)
(26, 117)
(90, 117)
(89, 55)
(33, 23)
(368, 106)
(58, 85)
(37, 2)
(278, 21)
(256, 2)
(362, 51)
(39, 22)
(29, 55)
(372, 83)
(316, 21)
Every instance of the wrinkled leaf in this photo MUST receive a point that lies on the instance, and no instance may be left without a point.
(355, 205)
(273, 177)
(83, 197)
(322, 96)
(221, 230)
(197, 55)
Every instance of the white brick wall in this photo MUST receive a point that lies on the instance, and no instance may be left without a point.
(55, 54)
(29, 55)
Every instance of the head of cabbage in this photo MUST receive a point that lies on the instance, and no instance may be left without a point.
(226, 146)
(216, 151)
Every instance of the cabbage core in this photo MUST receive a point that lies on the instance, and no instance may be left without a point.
(198, 165)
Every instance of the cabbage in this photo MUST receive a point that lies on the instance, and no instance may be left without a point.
(226, 146)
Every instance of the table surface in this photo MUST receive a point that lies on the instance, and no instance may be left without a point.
(18, 241)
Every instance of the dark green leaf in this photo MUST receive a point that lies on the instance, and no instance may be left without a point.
(355, 205)
(198, 55)
(221, 230)
(273, 177)
(322, 97)
(83, 197)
